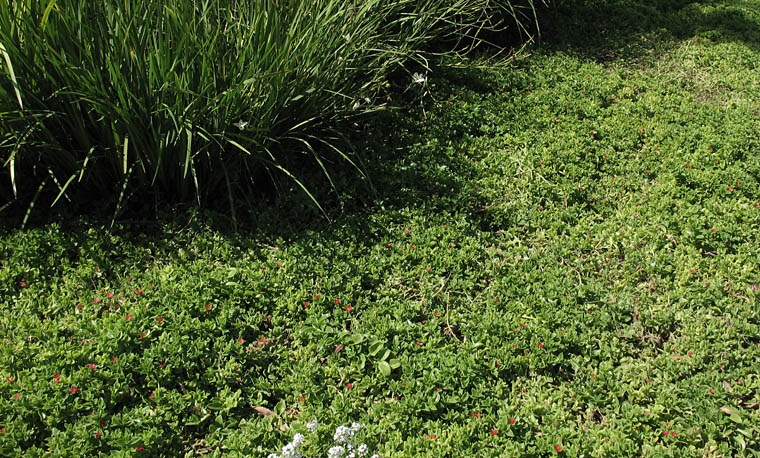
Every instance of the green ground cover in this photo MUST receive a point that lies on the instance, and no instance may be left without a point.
(560, 258)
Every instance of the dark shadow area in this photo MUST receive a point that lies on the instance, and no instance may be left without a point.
(616, 29)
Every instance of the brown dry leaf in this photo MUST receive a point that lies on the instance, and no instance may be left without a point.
(338, 348)
(263, 411)
(728, 386)
(751, 405)
(677, 357)
(727, 411)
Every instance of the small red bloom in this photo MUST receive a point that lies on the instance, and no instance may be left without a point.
(262, 339)
(540, 345)
(142, 336)
(10, 379)
(693, 271)
(79, 306)
(593, 375)
(437, 313)
(139, 291)
(349, 385)
(17, 395)
(437, 390)
(139, 448)
(97, 301)
(306, 304)
(418, 343)
(303, 399)
(128, 317)
(674, 434)
(337, 301)
(23, 284)
(97, 435)
(110, 295)
(57, 375)
(74, 389)
(113, 358)
(240, 340)
(349, 308)
(712, 391)
(665, 433)
(558, 448)
(452, 245)
(91, 366)
(319, 297)
(159, 319)
(496, 363)
(494, 432)
(207, 306)
(512, 421)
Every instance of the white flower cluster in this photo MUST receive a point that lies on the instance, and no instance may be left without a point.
(291, 450)
(344, 446)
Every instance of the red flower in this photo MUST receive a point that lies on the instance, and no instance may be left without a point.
(139, 291)
(2, 430)
(665, 433)
(512, 421)
(263, 340)
(714, 230)
(110, 295)
(418, 343)
(17, 395)
(142, 336)
(159, 319)
(349, 385)
(674, 434)
(303, 399)
(494, 432)
(349, 308)
(113, 358)
(306, 304)
(437, 313)
(128, 317)
(10, 379)
(208, 307)
(57, 375)
(437, 390)
(540, 345)
(97, 301)
(693, 271)
(97, 435)
(23, 283)
(337, 301)
(712, 391)
(74, 389)
(496, 363)
(240, 340)
(319, 297)
(91, 366)
(79, 306)
(558, 448)
(139, 448)
(593, 375)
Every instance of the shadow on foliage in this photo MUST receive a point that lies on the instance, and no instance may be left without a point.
(607, 30)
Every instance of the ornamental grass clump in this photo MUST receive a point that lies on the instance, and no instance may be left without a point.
(192, 101)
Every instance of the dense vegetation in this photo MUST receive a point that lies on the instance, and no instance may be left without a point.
(560, 258)
(187, 101)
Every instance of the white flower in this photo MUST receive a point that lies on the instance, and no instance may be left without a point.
(357, 104)
(362, 449)
(312, 426)
(291, 451)
(355, 427)
(419, 78)
(241, 124)
(273, 455)
(298, 439)
(342, 434)
(336, 452)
